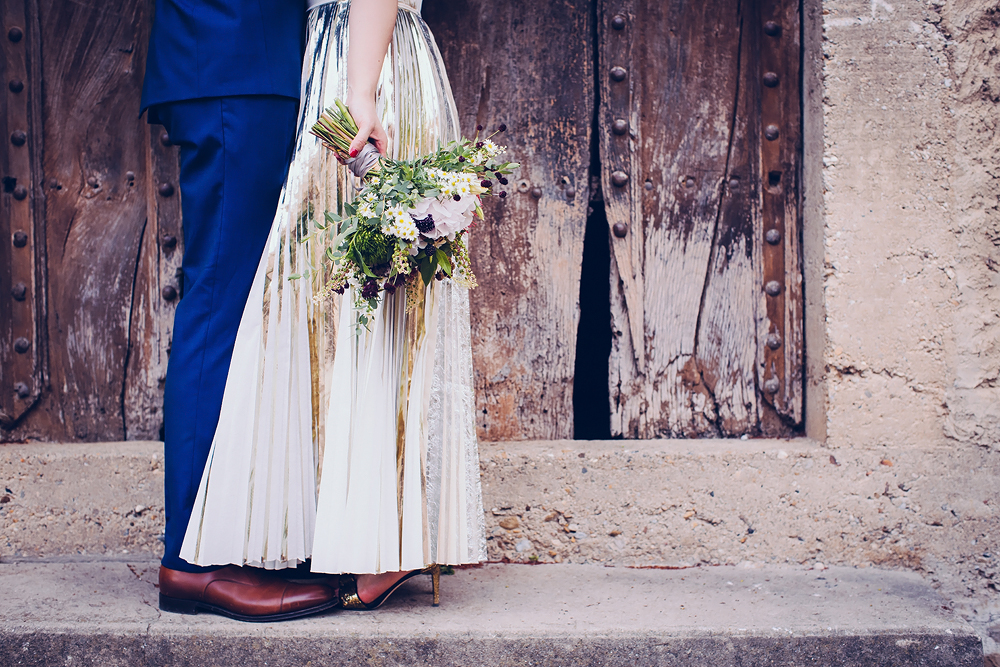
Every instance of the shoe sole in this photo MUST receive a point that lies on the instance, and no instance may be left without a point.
(179, 606)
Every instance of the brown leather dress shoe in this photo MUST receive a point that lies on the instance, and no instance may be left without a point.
(243, 593)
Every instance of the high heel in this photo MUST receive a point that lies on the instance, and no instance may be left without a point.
(349, 598)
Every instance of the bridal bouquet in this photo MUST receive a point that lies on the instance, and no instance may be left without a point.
(408, 223)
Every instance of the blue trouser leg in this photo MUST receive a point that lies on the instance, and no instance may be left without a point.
(234, 156)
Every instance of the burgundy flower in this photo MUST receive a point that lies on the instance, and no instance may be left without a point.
(370, 290)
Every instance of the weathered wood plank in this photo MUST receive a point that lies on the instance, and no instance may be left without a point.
(726, 347)
(95, 213)
(530, 67)
(620, 167)
(685, 113)
(155, 293)
(22, 237)
(717, 297)
(781, 325)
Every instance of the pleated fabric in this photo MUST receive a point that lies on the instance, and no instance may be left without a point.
(357, 450)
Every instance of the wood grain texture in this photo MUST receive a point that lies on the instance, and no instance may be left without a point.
(151, 316)
(528, 65)
(696, 145)
(97, 245)
(782, 315)
(22, 237)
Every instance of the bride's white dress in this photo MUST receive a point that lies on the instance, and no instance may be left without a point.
(357, 451)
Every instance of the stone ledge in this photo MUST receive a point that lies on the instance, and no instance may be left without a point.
(105, 613)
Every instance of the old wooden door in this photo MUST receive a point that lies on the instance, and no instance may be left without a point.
(699, 131)
(90, 223)
(696, 173)
(529, 65)
(660, 135)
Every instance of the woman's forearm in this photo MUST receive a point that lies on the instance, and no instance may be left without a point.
(370, 28)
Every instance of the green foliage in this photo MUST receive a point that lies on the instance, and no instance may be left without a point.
(372, 245)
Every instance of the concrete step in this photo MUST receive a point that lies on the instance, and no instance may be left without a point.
(105, 613)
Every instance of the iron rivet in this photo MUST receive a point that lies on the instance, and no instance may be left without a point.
(770, 79)
(169, 292)
(93, 182)
(15, 85)
(20, 192)
(130, 175)
(165, 139)
(773, 236)
(773, 341)
(619, 127)
(771, 132)
(648, 185)
(734, 183)
(772, 288)
(20, 239)
(619, 229)
(21, 390)
(18, 137)
(570, 192)
(772, 29)
(619, 178)
(536, 192)
(689, 181)
(21, 345)
(15, 34)
(618, 22)
(168, 242)
(618, 73)
(771, 385)
(19, 292)
(166, 189)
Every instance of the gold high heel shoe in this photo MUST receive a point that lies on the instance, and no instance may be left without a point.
(349, 598)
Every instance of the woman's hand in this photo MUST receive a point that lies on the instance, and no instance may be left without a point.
(370, 27)
(362, 108)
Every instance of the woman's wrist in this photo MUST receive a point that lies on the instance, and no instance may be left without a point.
(360, 96)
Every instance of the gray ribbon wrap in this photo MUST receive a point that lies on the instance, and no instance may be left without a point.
(365, 160)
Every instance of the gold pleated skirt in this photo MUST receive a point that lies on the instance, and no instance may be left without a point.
(356, 450)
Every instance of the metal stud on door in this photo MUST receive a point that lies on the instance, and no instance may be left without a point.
(615, 24)
(780, 327)
(21, 376)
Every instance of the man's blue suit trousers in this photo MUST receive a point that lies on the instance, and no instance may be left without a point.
(234, 154)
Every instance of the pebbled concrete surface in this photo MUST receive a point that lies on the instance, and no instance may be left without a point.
(104, 612)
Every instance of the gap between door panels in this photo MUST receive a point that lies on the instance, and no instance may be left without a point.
(591, 397)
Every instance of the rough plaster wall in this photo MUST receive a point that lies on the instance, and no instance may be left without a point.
(891, 245)
(911, 235)
(973, 50)
(912, 227)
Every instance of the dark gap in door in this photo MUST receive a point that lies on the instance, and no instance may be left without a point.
(591, 399)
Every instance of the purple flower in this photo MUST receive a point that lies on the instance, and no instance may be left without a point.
(424, 225)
